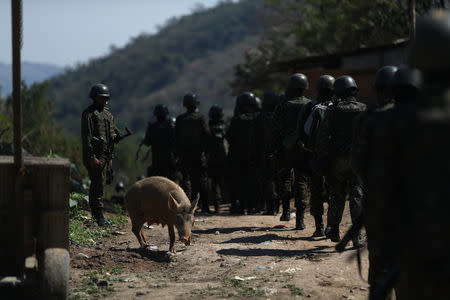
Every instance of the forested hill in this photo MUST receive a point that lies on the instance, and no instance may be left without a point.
(192, 53)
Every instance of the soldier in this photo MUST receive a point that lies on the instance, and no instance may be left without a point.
(334, 139)
(291, 156)
(305, 134)
(366, 123)
(411, 147)
(99, 135)
(160, 135)
(242, 138)
(385, 101)
(217, 154)
(266, 148)
(192, 136)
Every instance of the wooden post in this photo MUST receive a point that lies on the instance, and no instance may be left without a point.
(16, 12)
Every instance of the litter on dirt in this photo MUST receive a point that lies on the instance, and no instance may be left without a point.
(244, 278)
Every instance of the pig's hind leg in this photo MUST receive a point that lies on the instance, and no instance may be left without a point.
(136, 227)
(172, 238)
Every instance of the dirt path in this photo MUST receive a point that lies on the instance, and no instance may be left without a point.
(230, 256)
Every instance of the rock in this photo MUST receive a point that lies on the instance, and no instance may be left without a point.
(119, 233)
(269, 292)
(81, 256)
(217, 233)
(139, 294)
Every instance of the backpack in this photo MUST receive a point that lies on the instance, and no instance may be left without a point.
(313, 122)
(335, 131)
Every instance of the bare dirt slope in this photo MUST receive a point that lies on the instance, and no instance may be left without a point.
(230, 257)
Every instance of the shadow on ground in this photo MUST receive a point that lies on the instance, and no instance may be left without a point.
(275, 252)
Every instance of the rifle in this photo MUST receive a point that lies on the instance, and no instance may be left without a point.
(121, 137)
(3, 131)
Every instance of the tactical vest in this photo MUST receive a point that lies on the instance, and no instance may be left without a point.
(342, 117)
(292, 110)
(162, 135)
(190, 133)
(104, 134)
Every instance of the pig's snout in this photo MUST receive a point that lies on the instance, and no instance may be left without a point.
(185, 240)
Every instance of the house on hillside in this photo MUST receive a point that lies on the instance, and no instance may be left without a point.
(362, 64)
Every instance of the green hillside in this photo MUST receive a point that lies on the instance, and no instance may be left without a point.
(192, 53)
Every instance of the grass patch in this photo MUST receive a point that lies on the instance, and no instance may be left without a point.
(244, 290)
(93, 283)
(85, 232)
(295, 290)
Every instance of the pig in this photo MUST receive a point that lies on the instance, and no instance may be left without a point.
(159, 200)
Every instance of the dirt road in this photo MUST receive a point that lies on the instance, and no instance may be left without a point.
(230, 257)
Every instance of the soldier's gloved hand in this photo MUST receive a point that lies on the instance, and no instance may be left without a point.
(95, 163)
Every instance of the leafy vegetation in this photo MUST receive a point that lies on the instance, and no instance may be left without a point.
(150, 63)
(295, 290)
(311, 27)
(82, 228)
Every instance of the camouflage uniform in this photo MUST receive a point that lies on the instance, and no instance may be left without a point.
(192, 135)
(335, 136)
(160, 135)
(413, 169)
(217, 155)
(365, 124)
(241, 136)
(266, 148)
(99, 134)
(291, 156)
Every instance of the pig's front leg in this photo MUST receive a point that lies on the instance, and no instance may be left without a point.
(172, 238)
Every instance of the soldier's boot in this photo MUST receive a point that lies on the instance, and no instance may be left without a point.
(99, 218)
(332, 233)
(357, 241)
(286, 215)
(299, 220)
(217, 206)
(319, 227)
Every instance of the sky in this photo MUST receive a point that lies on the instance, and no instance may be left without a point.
(67, 32)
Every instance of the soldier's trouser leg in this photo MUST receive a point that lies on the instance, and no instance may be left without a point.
(97, 177)
(335, 208)
(217, 183)
(316, 202)
(200, 185)
(300, 187)
(270, 196)
(186, 183)
(286, 188)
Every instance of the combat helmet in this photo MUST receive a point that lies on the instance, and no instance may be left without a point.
(160, 111)
(99, 89)
(298, 81)
(246, 99)
(344, 83)
(384, 77)
(190, 100)
(215, 112)
(325, 82)
(430, 50)
(407, 78)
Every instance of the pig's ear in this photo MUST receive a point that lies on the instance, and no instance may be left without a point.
(173, 204)
(194, 204)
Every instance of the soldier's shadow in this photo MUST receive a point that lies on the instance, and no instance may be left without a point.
(275, 252)
(266, 238)
(228, 230)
